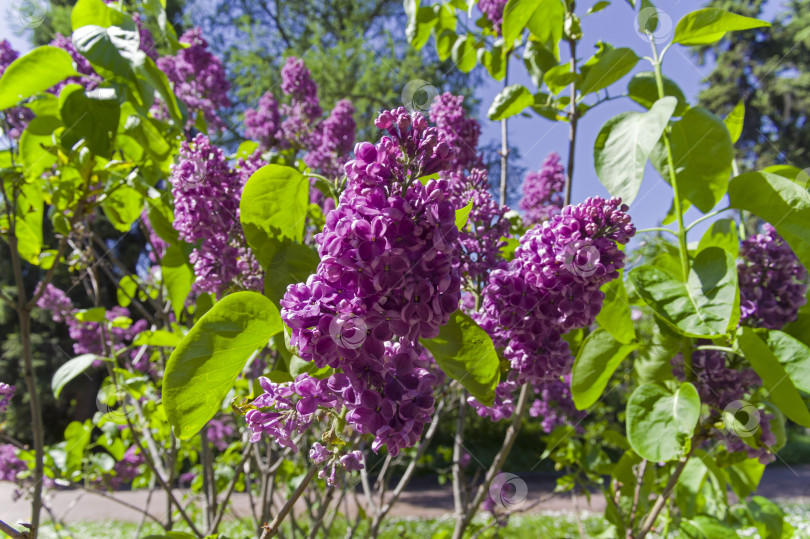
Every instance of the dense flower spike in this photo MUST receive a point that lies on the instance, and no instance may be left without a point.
(198, 78)
(542, 191)
(147, 42)
(263, 124)
(773, 283)
(304, 108)
(206, 204)
(481, 239)
(124, 470)
(332, 141)
(460, 132)
(389, 268)
(493, 9)
(10, 464)
(553, 286)
(6, 392)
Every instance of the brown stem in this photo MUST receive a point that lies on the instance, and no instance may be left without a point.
(574, 119)
(458, 474)
(24, 315)
(642, 467)
(504, 153)
(661, 501)
(500, 458)
(231, 486)
(271, 529)
(11, 532)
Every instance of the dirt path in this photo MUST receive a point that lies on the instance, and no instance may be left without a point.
(422, 499)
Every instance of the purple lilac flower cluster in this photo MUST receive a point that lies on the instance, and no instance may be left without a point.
(542, 191)
(89, 78)
(332, 140)
(6, 392)
(297, 124)
(89, 337)
(719, 385)
(460, 132)
(17, 117)
(10, 464)
(304, 109)
(350, 462)
(147, 42)
(481, 239)
(551, 287)
(199, 78)
(388, 270)
(206, 198)
(773, 282)
(493, 9)
(123, 471)
(219, 432)
(555, 405)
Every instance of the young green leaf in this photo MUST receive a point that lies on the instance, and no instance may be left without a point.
(510, 101)
(204, 366)
(781, 390)
(598, 358)
(643, 89)
(34, 72)
(274, 205)
(463, 214)
(71, 370)
(779, 201)
(464, 55)
(734, 121)
(606, 67)
(661, 419)
(623, 146)
(516, 14)
(615, 314)
(178, 276)
(794, 356)
(465, 353)
(290, 263)
(704, 306)
(709, 25)
(702, 153)
(723, 234)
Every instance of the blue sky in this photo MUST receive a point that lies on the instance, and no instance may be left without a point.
(535, 137)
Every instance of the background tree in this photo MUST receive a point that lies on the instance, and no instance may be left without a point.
(769, 70)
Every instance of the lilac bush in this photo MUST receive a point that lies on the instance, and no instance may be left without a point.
(6, 393)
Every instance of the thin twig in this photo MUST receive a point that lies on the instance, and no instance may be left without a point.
(11, 532)
(271, 529)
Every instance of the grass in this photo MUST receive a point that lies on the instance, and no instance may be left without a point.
(547, 525)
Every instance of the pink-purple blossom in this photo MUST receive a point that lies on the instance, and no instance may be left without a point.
(542, 191)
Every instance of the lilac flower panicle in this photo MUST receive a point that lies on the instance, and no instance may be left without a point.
(206, 205)
(481, 239)
(263, 124)
(773, 283)
(10, 464)
(332, 141)
(304, 108)
(6, 393)
(388, 269)
(493, 10)
(198, 78)
(551, 287)
(460, 131)
(542, 191)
